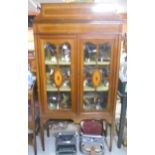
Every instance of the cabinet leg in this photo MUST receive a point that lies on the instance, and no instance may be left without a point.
(42, 136)
(106, 129)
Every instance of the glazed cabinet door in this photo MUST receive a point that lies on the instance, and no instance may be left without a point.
(96, 72)
(57, 73)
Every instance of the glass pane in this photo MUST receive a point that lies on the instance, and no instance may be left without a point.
(88, 71)
(66, 77)
(104, 52)
(95, 101)
(59, 100)
(65, 53)
(50, 53)
(58, 75)
(104, 86)
(90, 52)
(49, 76)
(66, 83)
(96, 76)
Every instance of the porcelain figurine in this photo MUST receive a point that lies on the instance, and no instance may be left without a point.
(52, 100)
(53, 59)
(90, 52)
(50, 51)
(64, 101)
(65, 52)
(105, 73)
(98, 104)
(104, 52)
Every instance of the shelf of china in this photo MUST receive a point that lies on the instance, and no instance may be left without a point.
(54, 89)
(102, 87)
(48, 62)
(94, 63)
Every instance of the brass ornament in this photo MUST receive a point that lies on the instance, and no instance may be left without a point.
(96, 78)
(58, 78)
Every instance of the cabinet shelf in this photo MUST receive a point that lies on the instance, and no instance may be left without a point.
(60, 109)
(54, 89)
(99, 63)
(94, 110)
(100, 88)
(48, 62)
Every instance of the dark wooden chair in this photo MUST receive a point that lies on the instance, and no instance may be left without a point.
(33, 119)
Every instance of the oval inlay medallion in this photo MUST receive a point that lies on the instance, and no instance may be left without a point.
(58, 79)
(96, 78)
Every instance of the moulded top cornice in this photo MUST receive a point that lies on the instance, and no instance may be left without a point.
(60, 12)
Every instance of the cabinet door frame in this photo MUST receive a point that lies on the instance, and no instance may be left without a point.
(56, 39)
(98, 38)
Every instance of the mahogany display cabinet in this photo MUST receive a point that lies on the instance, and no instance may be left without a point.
(77, 56)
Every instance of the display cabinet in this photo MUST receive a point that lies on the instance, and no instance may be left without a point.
(77, 56)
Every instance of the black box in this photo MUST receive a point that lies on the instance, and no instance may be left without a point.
(66, 143)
